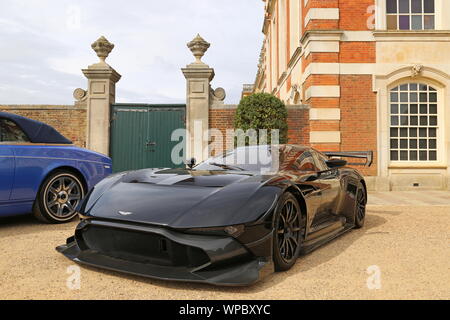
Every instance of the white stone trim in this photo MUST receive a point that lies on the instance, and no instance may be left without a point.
(442, 15)
(325, 137)
(325, 114)
(339, 68)
(321, 46)
(357, 68)
(323, 92)
(412, 36)
(380, 15)
(357, 36)
(320, 68)
(322, 14)
(321, 36)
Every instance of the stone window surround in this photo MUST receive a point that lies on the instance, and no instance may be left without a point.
(383, 84)
(401, 113)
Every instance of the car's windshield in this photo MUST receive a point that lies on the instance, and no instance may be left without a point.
(252, 158)
(263, 159)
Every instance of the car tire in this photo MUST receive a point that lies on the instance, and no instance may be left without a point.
(288, 232)
(360, 206)
(58, 197)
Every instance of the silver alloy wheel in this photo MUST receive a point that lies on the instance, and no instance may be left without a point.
(62, 195)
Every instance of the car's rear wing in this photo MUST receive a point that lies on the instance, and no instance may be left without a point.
(368, 155)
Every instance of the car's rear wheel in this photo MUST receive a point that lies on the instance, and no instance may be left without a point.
(58, 198)
(289, 224)
(360, 206)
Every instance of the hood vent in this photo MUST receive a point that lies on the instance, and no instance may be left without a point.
(207, 181)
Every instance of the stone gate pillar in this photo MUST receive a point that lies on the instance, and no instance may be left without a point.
(101, 93)
(199, 76)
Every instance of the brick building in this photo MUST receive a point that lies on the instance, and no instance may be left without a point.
(375, 75)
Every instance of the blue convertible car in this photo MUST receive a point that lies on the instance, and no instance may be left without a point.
(42, 172)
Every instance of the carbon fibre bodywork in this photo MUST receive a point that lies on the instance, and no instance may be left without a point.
(212, 226)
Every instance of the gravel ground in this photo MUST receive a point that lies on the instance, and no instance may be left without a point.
(409, 245)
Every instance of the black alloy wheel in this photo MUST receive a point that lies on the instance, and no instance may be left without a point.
(360, 207)
(289, 232)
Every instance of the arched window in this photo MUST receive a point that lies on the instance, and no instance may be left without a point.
(413, 122)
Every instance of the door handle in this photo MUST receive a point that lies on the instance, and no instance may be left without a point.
(150, 143)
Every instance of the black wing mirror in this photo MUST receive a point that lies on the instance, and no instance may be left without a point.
(191, 163)
(336, 163)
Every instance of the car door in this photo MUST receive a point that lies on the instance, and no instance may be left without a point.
(12, 137)
(7, 160)
(331, 182)
(6, 169)
(300, 161)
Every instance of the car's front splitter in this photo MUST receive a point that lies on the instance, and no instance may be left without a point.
(229, 263)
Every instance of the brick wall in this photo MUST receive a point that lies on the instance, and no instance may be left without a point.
(222, 119)
(357, 52)
(298, 124)
(354, 14)
(359, 116)
(321, 24)
(70, 121)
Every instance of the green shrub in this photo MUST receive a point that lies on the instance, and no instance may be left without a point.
(262, 111)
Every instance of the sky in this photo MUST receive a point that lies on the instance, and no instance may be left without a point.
(44, 44)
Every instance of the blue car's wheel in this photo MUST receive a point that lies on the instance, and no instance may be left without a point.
(58, 198)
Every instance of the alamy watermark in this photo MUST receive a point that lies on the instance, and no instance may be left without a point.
(374, 280)
(73, 17)
(73, 282)
(213, 141)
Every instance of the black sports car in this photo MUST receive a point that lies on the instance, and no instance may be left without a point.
(224, 221)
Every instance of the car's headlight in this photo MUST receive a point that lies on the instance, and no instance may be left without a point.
(234, 231)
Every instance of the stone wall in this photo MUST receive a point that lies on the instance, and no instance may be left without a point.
(70, 121)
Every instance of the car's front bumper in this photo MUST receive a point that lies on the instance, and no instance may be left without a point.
(166, 254)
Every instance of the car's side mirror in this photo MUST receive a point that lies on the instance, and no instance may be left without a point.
(336, 163)
(191, 163)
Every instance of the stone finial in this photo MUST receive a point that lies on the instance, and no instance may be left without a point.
(198, 46)
(102, 48)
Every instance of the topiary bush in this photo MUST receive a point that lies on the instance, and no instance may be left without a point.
(262, 111)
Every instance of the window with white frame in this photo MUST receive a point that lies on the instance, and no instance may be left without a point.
(413, 122)
(410, 14)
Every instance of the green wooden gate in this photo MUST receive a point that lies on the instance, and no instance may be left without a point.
(141, 135)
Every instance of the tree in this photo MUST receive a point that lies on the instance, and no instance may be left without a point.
(262, 111)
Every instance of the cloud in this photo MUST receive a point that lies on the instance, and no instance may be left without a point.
(45, 44)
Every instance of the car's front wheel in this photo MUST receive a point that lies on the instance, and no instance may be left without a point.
(58, 198)
(289, 227)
